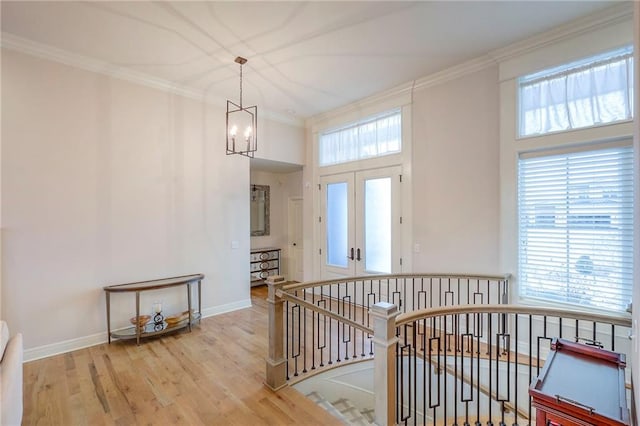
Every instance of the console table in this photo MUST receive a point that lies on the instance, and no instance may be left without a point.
(580, 385)
(138, 287)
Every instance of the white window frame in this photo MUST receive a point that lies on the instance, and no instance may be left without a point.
(358, 146)
(558, 51)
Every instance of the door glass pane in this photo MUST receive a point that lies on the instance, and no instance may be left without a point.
(337, 224)
(377, 231)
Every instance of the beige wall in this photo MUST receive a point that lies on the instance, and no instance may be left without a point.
(283, 186)
(280, 141)
(104, 181)
(455, 175)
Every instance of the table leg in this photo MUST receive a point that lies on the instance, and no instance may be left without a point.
(189, 302)
(200, 299)
(108, 300)
(137, 325)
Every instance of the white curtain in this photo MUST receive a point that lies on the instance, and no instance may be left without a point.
(373, 137)
(591, 94)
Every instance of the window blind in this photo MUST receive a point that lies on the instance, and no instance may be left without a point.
(576, 227)
(372, 137)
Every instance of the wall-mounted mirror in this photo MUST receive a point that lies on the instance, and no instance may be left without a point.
(259, 210)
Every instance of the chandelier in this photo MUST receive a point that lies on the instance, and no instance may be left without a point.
(242, 124)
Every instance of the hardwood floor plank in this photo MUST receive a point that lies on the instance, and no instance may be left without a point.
(211, 376)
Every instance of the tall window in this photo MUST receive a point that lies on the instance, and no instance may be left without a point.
(576, 227)
(594, 91)
(373, 137)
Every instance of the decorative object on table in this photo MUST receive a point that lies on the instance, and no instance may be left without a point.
(242, 119)
(158, 318)
(175, 319)
(142, 320)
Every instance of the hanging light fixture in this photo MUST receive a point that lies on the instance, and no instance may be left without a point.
(242, 124)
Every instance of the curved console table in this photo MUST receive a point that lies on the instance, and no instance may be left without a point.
(154, 329)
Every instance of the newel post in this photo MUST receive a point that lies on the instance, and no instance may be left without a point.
(384, 362)
(276, 364)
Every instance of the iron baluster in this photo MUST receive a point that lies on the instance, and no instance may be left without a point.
(286, 335)
(304, 333)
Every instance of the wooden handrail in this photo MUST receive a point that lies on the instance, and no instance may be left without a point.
(300, 286)
(323, 311)
(410, 317)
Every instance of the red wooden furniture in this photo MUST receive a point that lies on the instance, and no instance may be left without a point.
(580, 385)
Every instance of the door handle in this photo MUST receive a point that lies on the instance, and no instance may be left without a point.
(351, 257)
(357, 256)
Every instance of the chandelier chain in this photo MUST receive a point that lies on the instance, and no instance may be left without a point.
(241, 86)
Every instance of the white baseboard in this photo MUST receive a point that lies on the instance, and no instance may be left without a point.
(229, 307)
(65, 346)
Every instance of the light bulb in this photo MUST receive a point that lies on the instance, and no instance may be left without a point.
(233, 130)
(247, 132)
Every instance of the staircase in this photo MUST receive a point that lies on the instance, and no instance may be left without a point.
(344, 410)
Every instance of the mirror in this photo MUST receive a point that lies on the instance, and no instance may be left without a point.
(259, 210)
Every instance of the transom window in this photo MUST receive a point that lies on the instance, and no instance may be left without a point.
(594, 91)
(372, 137)
(576, 227)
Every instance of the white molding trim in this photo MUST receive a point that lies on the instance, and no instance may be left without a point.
(612, 15)
(223, 309)
(397, 96)
(455, 72)
(44, 51)
(65, 346)
(609, 16)
(70, 345)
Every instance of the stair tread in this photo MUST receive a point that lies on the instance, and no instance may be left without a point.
(343, 409)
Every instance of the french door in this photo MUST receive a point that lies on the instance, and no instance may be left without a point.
(361, 223)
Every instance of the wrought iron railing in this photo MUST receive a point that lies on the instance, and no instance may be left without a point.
(474, 364)
(327, 322)
(458, 353)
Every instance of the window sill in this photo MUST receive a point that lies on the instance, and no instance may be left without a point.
(528, 301)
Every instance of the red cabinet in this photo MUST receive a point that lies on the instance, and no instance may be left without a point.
(580, 385)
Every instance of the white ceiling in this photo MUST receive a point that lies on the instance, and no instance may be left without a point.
(304, 57)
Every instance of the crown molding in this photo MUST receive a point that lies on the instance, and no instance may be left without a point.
(610, 16)
(398, 95)
(23, 45)
(44, 51)
(455, 72)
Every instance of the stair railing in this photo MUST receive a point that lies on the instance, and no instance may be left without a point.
(321, 324)
(432, 334)
(473, 364)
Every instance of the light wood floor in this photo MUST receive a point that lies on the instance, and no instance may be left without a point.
(211, 376)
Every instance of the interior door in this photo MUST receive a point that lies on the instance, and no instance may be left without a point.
(295, 240)
(360, 223)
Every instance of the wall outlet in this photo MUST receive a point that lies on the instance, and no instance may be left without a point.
(416, 248)
(235, 244)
